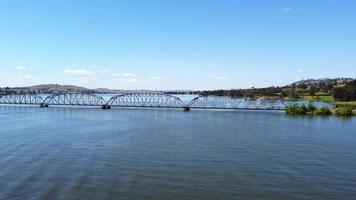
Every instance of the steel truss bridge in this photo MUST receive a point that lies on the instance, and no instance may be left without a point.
(150, 100)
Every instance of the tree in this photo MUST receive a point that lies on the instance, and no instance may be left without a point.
(346, 93)
(312, 90)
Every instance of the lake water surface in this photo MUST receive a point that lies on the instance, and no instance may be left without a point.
(89, 153)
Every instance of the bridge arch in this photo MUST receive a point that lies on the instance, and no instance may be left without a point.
(158, 100)
(20, 99)
(74, 99)
(218, 102)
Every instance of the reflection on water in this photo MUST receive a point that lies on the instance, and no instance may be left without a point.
(89, 153)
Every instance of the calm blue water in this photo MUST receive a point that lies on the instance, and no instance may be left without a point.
(89, 153)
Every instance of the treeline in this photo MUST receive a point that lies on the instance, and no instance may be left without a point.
(293, 92)
(342, 89)
(251, 93)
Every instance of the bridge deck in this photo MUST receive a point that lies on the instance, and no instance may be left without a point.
(142, 100)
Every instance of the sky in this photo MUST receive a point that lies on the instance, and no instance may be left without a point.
(175, 44)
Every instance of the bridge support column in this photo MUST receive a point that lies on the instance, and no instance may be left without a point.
(186, 109)
(105, 107)
(43, 105)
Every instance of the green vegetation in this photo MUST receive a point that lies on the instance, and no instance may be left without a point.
(301, 109)
(340, 91)
(324, 110)
(343, 111)
(329, 90)
(296, 109)
(346, 93)
(326, 98)
(350, 104)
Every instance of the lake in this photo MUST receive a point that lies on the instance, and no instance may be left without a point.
(89, 153)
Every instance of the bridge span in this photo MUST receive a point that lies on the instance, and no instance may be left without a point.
(148, 100)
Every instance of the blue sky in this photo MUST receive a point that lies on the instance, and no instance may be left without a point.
(181, 44)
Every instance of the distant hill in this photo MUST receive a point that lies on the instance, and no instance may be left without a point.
(47, 89)
(318, 82)
(57, 88)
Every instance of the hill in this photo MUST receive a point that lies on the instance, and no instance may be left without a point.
(321, 82)
(47, 89)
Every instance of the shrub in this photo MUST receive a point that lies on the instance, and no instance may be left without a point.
(324, 110)
(291, 109)
(343, 111)
(311, 109)
(296, 109)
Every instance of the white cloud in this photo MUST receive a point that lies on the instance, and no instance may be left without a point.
(78, 72)
(287, 9)
(209, 76)
(300, 71)
(129, 75)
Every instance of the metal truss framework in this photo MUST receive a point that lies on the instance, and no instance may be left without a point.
(146, 100)
(21, 99)
(74, 99)
(158, 100)
(223, 102)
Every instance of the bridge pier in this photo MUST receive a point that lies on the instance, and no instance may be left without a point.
(105, 107)
(186, 109)
(43, 105)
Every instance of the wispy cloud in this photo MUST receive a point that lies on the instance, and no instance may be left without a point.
(300, 71)
(286, 9)
(129, 77)
(78, 72)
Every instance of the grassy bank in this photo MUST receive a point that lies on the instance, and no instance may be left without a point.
(351, 104)
(324, 98)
